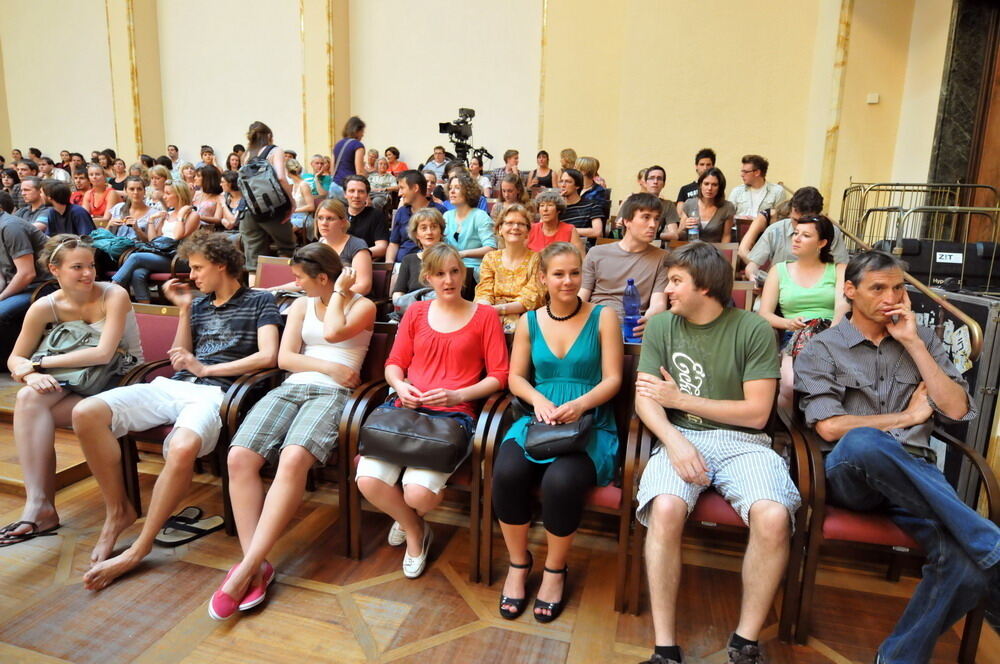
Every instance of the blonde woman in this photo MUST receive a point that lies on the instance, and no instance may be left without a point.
(302, 197)
(158, 178)
(508, 277)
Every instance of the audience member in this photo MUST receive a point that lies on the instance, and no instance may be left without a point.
(448, 353)
(233, 162)
(226, 333)
(332, 224)
(756, 193)
(64, 161)
(349, 151)
(81, 185)
(592, 190)
(395, 165)
(709, 211)
(207, 156)
(208, 198)
(370, 158)
(412, 197)
(434, 192)
(100, 198)
(775, 245)
(476, 171)
(186, 174)
(468, 228)
(542, 177)
(259, 230)
(132, 217)
(511, 158)
(608, 267)
(47, 170)
(296, 425)
(234, 205)
(303, 203)
(120, 172)
(508, 277)
(705, 389)
(437, 163)
(382, 181)
(809, 291)
(703, 160)
(426, 228)
(175, 156)
(43, 403)
(582, 214)
(873, 386)
(158, 178)
(21, 271)
(35, 211)
(10, 183)
(512, 192)
(321, 184)
(567, 159)
(654, 181)
(64, 217)
(366, 222)
(551, 205)
(26, 168)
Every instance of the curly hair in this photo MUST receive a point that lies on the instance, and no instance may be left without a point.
(469, 188)
(217, 248)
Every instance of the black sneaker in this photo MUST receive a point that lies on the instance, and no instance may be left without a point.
(660, 659)
(745, 655)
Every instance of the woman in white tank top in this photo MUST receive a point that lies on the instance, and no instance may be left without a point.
(296, 425)
(42, 404)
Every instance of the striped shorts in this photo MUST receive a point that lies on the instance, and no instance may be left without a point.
(294, 414)
(742, 467)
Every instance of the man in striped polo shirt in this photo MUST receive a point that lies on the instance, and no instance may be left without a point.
(228, 332)
(706, 383)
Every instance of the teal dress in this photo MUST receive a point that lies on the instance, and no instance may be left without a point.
(562, 380)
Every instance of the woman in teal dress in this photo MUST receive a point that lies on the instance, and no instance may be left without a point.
(566, 361)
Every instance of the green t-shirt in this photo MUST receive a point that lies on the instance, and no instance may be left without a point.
(711, 361)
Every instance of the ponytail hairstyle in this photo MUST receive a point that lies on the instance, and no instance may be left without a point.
(317, 258)
(258, 135)
(56, 247)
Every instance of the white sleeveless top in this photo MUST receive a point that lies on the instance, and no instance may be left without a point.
(130, 335)
(350, 352)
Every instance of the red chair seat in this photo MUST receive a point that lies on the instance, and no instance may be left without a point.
(163, 276)
(606, 497)
(713, 508)
(865, 527)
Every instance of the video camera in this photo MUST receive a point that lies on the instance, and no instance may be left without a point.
(460, 134)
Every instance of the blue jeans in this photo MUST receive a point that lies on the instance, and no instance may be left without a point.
(136, 270)
(868, 469)
(12, 311)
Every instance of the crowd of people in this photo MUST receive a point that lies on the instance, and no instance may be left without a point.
(477, 254)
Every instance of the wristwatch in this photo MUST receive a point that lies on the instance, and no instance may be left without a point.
(36, 365)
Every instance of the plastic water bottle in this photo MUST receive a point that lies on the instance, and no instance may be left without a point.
(694, 233)
(631, 303)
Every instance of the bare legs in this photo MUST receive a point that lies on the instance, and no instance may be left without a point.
(407, 506)
(667, 515)
(786, 386)
(260, 521)
(36, 416)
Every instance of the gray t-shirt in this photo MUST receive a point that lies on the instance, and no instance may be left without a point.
(20, 238)
(607, 269)
(775, 245)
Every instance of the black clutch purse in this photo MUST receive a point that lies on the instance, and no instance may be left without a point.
(413, 439)
(547, 441)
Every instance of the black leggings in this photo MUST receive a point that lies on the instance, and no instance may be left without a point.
(564, 483)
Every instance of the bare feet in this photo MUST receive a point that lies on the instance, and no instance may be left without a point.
(104, 572)
(240, 581)
(115, 522)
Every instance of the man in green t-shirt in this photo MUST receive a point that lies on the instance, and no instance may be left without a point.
(706, 384)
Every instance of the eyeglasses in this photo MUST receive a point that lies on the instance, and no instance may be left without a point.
(748, 172)
(516, 223)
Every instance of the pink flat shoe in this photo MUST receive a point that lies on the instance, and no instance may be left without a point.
(222, 606)
(256, 594)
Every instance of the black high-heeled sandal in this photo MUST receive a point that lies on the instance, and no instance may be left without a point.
(518, 604)
(554, 608)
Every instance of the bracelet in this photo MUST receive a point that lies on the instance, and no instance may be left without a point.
(342, 293)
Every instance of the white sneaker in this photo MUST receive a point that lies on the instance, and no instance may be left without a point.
(413, 566)
(397, 536)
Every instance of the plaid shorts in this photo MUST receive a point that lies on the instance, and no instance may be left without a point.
(294, 414)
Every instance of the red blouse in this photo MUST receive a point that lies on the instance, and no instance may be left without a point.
(538, 240)
(451, 360)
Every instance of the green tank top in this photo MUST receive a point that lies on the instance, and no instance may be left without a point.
(809, 303)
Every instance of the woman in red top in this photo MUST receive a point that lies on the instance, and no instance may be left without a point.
(101, 197)
(448, 353)
(549, 229)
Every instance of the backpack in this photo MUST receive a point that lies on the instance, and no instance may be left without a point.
(260, 186)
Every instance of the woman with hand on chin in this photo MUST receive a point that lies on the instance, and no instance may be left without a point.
(566, 361)
(296, 425)
(508, 277)
(448, 353)
(43, 404)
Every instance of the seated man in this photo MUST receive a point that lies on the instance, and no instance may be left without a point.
(703, 160)
(412, 197)
(706, 383)
(229, 332)
(872, 386)
(367, 222)
(438, 163)
(64, 217)
(35, 210)
(511, 159)
(21, 244)
(775, 245)
(608, 267)
(756, 194)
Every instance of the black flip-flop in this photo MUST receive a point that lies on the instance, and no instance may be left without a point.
(177, 531)
(8, 537)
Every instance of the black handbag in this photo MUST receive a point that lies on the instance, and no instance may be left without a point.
(415, 439)
(547, 441)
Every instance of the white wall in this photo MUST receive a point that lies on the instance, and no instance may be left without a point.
(58, 98)
(414, 64)
(213, 66)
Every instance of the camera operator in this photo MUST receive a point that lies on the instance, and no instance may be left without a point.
(438, 163)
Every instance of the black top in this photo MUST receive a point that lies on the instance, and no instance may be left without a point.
(409, 274)
(370, 225)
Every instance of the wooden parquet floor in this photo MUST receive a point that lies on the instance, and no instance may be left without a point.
(325, 608)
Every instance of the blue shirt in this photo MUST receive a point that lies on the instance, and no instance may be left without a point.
(400, 234)
(74, 220)
(482, 205)
(476, 232)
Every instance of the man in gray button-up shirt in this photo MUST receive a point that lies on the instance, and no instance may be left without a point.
(871, 386)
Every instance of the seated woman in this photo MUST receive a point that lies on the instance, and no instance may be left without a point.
(233, 204)
(180, 221)
(709, 211)
(296, 425)
(233, 162)
(476, 171)
(584, 215)
(42, 404)
(381, 180)
(810, 291)
(158, 178)
(566, 361)
(542, 177)
(186, 171)
(101, 197)
(120, 170)
(131, 217)
(207, 199)
(302, 198)
(448, 353)
(512, 192)
(467, 228)
(395, 165)
(593, 187)
(332, 226)
(508, 277)
(426, 229)
(549, 228)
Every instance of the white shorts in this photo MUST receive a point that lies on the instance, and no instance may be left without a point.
(432, 480)
(742, 467)
(165, 401)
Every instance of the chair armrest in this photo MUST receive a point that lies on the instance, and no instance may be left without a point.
(637, 449)
(809, 467)
(370, 395)
(173, 266)
(140, 373)
(986, 476)
(487, 425)
(492, 442)
(245, 392)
